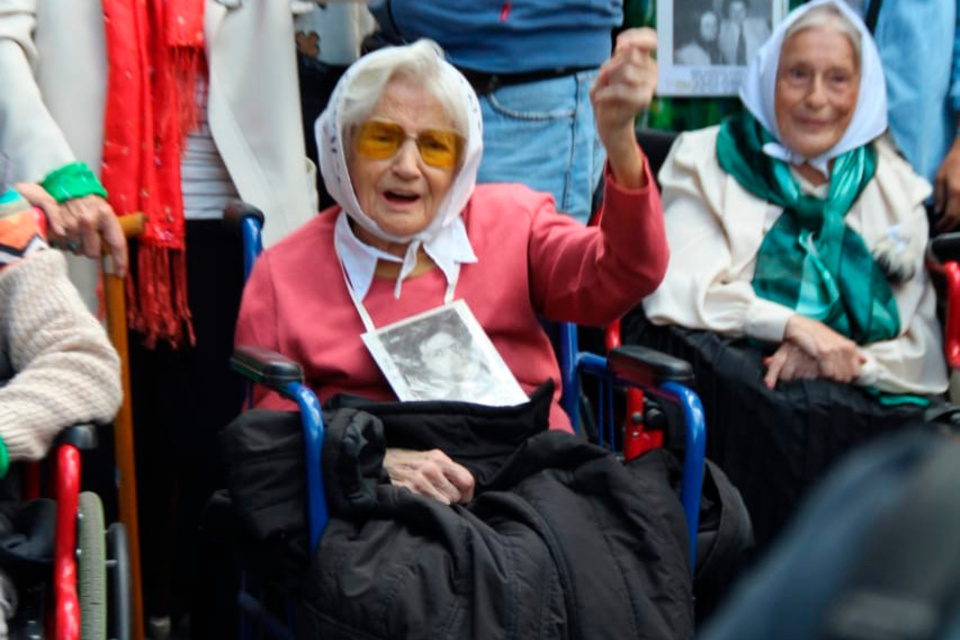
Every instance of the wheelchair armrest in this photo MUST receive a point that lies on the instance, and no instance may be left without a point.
(81, 436)
(648, 367)
(266, 367)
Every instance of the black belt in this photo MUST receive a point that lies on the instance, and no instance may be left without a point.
(486, 83)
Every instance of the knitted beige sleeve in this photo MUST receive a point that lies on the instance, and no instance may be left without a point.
(66, 369)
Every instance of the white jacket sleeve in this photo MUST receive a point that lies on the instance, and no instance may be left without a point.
(29, 136)
(913, 362)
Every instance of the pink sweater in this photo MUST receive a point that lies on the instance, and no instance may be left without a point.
(532, 262)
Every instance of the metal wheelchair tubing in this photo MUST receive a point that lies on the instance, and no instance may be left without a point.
(692, 483)
(67, 616)
(252, 244)
(952, 330)
(317, 516)
(312, 419)
(254, 608)
(695, 433)
(567, 350)
(596, 366)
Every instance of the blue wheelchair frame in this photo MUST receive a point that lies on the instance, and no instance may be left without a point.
(658, 374)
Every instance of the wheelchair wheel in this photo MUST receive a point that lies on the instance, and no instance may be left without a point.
(91, 568)
(118, 587)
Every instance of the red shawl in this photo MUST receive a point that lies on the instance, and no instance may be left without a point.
(154, 59)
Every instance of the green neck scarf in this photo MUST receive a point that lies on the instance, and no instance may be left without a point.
(810, 260)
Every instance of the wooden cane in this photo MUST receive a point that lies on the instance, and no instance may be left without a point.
(115, 302)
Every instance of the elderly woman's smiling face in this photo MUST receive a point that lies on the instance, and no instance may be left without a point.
(818, 82)
(402, 192)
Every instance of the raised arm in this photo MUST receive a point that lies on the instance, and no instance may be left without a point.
(624, 87)
(593, 276)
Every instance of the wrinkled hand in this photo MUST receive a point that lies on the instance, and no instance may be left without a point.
(624, 87)
(837, 356)
(946, 191)
(80, 224)
(429, 473)
(789, 362)
(625, 83)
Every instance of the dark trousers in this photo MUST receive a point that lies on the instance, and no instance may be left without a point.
(181, 399)
(773, 444)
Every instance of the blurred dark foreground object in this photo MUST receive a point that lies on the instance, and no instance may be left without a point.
(873, 554)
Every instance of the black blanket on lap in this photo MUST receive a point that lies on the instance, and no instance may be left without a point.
(562, 540)
(773, 444)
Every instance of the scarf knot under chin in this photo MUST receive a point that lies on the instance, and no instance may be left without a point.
(810, 260)
(154, 61)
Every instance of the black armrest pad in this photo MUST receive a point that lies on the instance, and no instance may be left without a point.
(649, 367)
(81, 436)
(265, 367)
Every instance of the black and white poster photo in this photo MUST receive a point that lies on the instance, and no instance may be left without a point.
(443, 354)
(704, 45)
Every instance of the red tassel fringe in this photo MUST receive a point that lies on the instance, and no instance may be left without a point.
(189, 67)
(157, 298)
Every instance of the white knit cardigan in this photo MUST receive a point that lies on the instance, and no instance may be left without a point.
(58, 362)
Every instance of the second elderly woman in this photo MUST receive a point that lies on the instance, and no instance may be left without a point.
(400, 144)
(797, 236)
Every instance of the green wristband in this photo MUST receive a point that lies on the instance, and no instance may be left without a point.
(74, 180)
(4, 460)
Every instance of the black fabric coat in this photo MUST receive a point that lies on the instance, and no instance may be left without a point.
(774, 444)
(562, 540)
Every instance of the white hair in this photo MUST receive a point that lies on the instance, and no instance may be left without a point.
(826, 14)
(419, 62)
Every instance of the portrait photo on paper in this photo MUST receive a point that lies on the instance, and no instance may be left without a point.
(443, 354)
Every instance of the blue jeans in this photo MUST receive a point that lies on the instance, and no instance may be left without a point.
(542, 134)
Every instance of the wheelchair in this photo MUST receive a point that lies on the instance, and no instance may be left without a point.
(829, 428)
(664, 377)
(87, 594)
(943, 263)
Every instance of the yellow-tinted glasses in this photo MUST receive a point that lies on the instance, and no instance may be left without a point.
(380, 140)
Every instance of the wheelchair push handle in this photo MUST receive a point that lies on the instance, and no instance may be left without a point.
(942, 249)
(237, 211)
(247, 222)
(81, 436)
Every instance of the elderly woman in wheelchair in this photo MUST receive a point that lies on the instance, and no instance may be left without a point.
(412, 232)
(796, 280)
(478, 526)
(57, 367)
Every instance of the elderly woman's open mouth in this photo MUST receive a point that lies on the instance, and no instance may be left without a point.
(400, 197)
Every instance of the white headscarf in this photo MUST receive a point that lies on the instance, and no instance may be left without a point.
(869, 118)
(445, 238)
